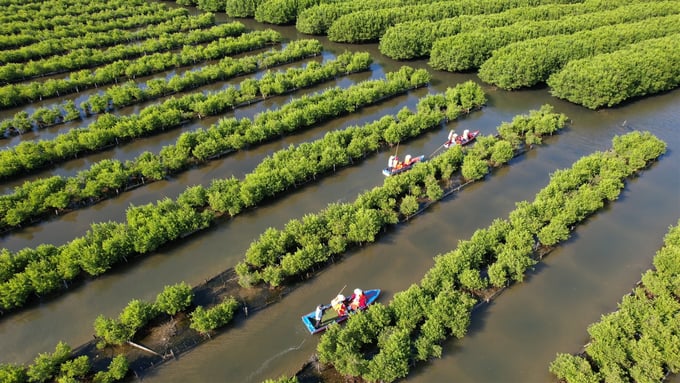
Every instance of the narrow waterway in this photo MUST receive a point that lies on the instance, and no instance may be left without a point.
(513, 339)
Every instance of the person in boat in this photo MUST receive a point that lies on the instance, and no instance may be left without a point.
(358, 301)
(452, 136)
(394, 163)
(407, 160)
(466, 135)
(338, 304)
(318, 314)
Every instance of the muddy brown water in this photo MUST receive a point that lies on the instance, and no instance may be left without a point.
(513, 339)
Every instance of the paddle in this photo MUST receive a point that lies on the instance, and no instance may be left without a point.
(341, 290)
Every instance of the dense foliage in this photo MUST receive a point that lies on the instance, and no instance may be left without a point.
(79, 58)
(414, 39)
(205, 320)
(316, 20)
(370, 25)
(303, 244)
(42, 270)
(107, 178)
(527, 63)
(58, 45)
(645, 68)
(241, 8)
(122, 15)
(383, 342)
(20, 94)
(64, 367)
(131, 92)
(641, 340)
(137, 314)
(110, 129)
(470, 50)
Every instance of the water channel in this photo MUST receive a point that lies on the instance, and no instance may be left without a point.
(512, 339)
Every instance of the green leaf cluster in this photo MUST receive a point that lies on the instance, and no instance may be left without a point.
(279, 255)
(418, 319)
(80, 57)
(530, 62)
(414, 39)
(605, 80)
(151, 226)
(370, 25)
(61, 44)
(205, 320)
(641, 340)
(108, 129)
(114, 15)
(13, 95)
(138, 313)
(470, 49)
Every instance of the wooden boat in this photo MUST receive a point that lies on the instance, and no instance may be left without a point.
(330, 316)
(390, 171)
(461, 141)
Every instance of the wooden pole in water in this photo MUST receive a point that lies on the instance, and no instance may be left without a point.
(139, 346)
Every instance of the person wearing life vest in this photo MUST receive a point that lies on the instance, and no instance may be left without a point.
(358, 300)
(392, 162)
(338, 304)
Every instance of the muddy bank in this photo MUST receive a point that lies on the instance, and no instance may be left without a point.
(166, 338)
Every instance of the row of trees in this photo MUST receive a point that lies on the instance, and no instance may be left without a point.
(59, 45)
(47, 268)
(383, 342)
(414, 39)
(522, 37)
(645, 68)
(285, 14)
(35, 199)
(279, 255)
(640, 341)
(44, 24)
(79, 58)
(130, 92)
(370, 25)
(22, 37)
(317, 19)
(527, 63)
(108, 129)
(64, 367)
(172, 300)
(21, 94)
(23, 12)
(287, 11)
(466, 51)
(138, 313)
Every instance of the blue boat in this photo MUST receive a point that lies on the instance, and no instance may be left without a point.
(331, 317)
